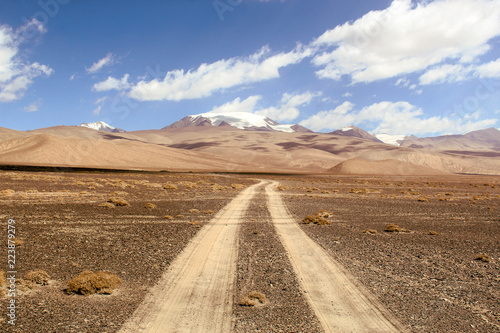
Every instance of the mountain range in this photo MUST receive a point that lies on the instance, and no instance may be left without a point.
(240, 142)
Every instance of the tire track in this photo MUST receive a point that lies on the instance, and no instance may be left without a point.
(196, 292)
(340, 304)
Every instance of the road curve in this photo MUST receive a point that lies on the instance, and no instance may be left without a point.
(339, 303)
(196, 293)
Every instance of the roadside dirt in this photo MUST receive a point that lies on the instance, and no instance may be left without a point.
(340, 304)
(264, 267)
(196, 293)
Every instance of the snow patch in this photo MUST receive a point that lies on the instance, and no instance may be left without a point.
(391, 139)
(243, 120)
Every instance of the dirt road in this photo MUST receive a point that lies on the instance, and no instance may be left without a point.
(339, 303)
(196, 293)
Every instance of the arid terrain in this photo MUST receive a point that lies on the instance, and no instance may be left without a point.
(425, 276)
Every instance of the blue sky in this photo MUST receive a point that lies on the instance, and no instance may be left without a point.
(399, 67)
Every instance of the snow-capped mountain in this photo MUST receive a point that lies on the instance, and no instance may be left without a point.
(102, 126)
(241, 120)
(355, 132)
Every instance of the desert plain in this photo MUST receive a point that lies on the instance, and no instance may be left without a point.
(439, 271)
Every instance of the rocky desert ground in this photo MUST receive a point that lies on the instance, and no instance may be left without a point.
(437, 271)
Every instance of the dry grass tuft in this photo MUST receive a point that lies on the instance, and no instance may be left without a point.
(149, 205)
(168, 217)
(254, 298)
(38, 277)
(393, 228)
(170, 186)
(194, 211)
(208, 212)
(17, 241)
(118, 201)
(370, 231)
(324, 213)
(315, 219)
(433, 233)
(238, 186)
(483, 258)
(7, 192)
(107, 205)
(87, 283)
(3, 284)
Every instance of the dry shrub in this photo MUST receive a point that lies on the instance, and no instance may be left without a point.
(254, 298)
(217, 187)
(169, 186)
(149, 205)
(324, 213)
(393, 228)
(107, 205)
(7, 192)
(196, 224)
(208, 212)
(483, 258)
(433, 233)
(17, 241)
(38, 277)
(168, 217)
(282, 188)
(118, 201)
(423, 200)
(188, 184)
(3, 284)
(87, 283)
(315, 219)
(370, 231)
(179, 216)
(24, 285)
(194, 211)
(238, 186)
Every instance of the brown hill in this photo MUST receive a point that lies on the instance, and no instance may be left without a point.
(356, 166)
(356, 132)
(53, 150)
(222, 148)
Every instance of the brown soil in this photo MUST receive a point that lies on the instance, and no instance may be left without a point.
(430, 282)
(263, 266)
(65, 232)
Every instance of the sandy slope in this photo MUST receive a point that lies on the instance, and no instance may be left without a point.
(196, 293)
(356, 166)
(226, 149)
(340, 304)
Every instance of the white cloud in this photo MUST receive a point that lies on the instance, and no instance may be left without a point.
(394, 118)
(17, 75)
(112, 84)
(446, 73)
(347, 94)
(97, 110)
(108, 60)
(223, 74)
(489, 70)
(33, 106)
(408, 37)
(237, 105)
(288, 108)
